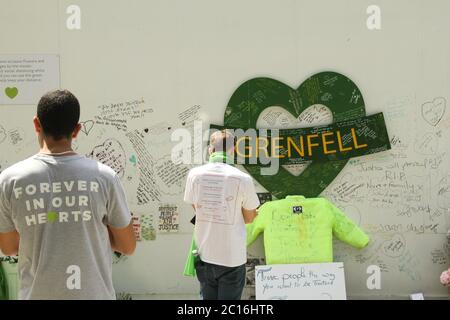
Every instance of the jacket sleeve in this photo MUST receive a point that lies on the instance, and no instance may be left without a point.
(346, 230)
(258, 224)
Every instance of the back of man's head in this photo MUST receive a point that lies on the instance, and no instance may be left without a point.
(221, 141)
(58, 113)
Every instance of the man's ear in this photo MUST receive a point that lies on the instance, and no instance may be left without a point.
(37, 124)
(76, 131)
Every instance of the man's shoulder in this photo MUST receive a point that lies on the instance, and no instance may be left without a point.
(104, 170)
(239, 173)
(33, 165)
(197, 169)
(225, 170)
(18, 169)
(99, 169)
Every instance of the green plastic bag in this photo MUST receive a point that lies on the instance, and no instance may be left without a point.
(9, 278)
(189, 268)
(4, 290)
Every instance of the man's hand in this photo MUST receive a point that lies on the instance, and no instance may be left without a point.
(9, 243)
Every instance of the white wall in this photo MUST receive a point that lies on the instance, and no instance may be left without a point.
(178, 54)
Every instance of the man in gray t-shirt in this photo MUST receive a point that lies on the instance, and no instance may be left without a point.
(62, 212)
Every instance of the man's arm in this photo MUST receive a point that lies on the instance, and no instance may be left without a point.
(251, 202)
(9, 237)
(249, 215)
(122, 240)
(9, 243)
(119, 220)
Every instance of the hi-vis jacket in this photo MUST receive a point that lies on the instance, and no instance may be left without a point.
(300, 230)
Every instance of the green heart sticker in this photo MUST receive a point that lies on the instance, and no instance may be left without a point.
(52, 216)
(11, 92)
(334, 90)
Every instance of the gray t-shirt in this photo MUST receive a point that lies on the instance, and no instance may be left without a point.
(60, 206)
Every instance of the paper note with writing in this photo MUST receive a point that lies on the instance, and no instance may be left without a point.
(25, 78)
(136, 227)
(148, 231)
(314, 281)
(417, 296)
(168, 218)
(217, 198)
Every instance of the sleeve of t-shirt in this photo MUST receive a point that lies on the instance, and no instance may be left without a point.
(6, 222)
(258, 224)
(251, 200)
(188, 191)
(118, 214)
(346, 230)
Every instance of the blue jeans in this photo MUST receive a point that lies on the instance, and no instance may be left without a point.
(220, 282)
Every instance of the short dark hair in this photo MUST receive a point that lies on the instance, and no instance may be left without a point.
(58, 112)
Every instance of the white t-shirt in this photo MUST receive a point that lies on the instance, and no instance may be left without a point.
(219, 192)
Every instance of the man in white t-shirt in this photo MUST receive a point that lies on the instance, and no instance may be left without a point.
(224, 200)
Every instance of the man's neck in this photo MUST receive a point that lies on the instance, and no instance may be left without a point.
(56, 147)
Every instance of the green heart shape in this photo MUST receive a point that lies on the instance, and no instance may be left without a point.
(52, 216)
(334, 90)
(11, 92)
(133, 159)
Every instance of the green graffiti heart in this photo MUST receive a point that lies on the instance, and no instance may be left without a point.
(11, 92)
(52, 216)
(334, 90)
(133, 160)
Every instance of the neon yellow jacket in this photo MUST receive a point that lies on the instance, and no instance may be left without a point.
(300, 230)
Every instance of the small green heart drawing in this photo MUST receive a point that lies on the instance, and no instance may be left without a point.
(133, 159)
(52, 216)
(11, 92)
(334, 90)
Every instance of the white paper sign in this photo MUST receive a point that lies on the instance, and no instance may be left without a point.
(313, 281)
(417, 296)
(25, 78)
(218, 199)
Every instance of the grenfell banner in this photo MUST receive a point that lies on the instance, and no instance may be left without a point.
(337, 141)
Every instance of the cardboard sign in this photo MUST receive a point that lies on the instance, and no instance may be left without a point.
(314, 281)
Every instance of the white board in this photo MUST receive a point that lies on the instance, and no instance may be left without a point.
(23, 78)
(313, 281)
